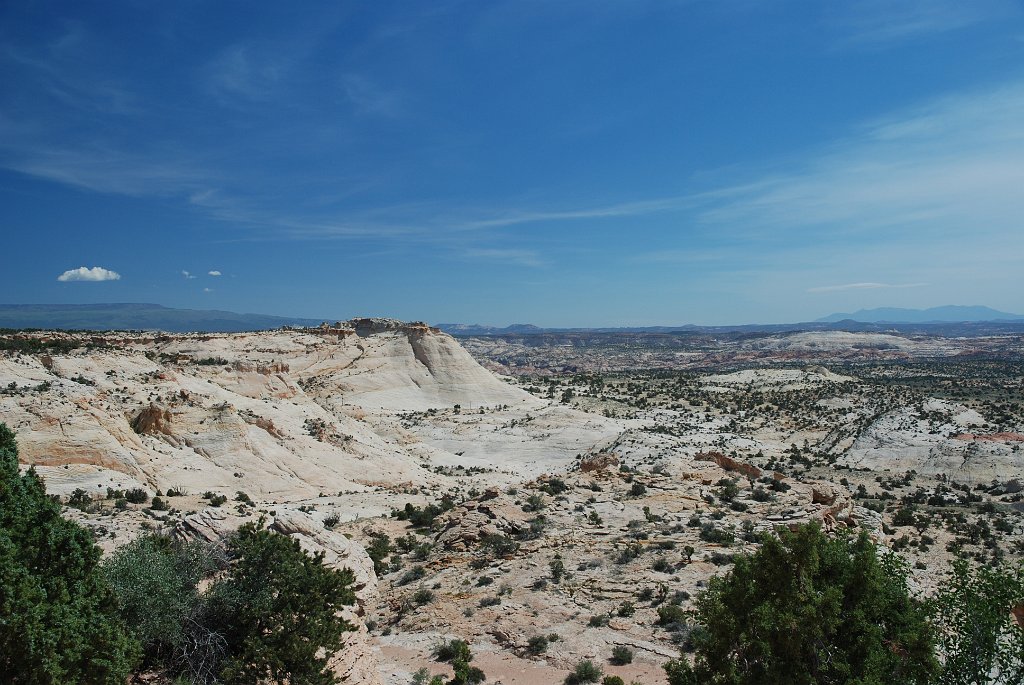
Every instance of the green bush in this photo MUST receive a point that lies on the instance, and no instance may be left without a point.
(136, 496)
(537, 644)
(802, 596)
(155, 580)
(585, 672)
(458, 654)
(978, 637)
(58, 622)
(621, 655)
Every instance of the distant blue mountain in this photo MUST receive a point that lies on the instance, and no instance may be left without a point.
(138, 316)
(946, 314)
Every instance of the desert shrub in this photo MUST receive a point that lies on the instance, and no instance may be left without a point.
(598, 620)
(423, 517)
(638, 489)
(415, 573)
(58, 621)
(378, 550)
(489, 602)
(662, 565)
(671, 616)
(621, 655)
(554, 487)
(423, 596)
(537, 644)
(557, 567)
(534, 502)
(711, 533)
(136, 496)
(458, 654)
(159, 504)
(155, 580)
(848, 601)
(585, 672)
(727, 489)
(612, 680)
(626, 609)
(423, 677)
(904, 516)
(498, 545)
(331, 520)
(720, 558)
(452, 650)
(80, 499)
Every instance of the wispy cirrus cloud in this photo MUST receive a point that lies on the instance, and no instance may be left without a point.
(369, 97)
(863, 286)
(239, 73)
(885, 21)
(930, 174)
(516, 257)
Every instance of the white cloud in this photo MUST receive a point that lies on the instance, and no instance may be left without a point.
(863, 286)
(207, 290)
(96, 273)
(188, 275)
(213, 273)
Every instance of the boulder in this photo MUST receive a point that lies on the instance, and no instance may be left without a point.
(824, 493)
(598, 462)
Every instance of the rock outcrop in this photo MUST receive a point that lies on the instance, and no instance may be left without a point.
(598, 462)
(729, 464)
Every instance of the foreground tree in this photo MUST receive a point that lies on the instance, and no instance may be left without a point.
(808, 609)
(58, 622)
(980, 640)
(279, 611)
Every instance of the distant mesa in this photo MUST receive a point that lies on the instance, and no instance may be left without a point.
(945, 314)
(139, 317)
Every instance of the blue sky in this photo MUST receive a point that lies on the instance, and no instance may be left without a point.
(558, 162)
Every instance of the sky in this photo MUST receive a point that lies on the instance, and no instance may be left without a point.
(555, 162)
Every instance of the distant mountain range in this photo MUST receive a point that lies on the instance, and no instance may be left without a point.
(946, 314)
(951, 320)
(146, 317)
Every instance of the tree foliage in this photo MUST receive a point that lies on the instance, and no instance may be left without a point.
(979, 640)
(279, 610)
(809, 609)
(58, 622)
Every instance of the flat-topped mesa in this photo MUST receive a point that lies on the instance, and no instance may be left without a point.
(373, 325)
